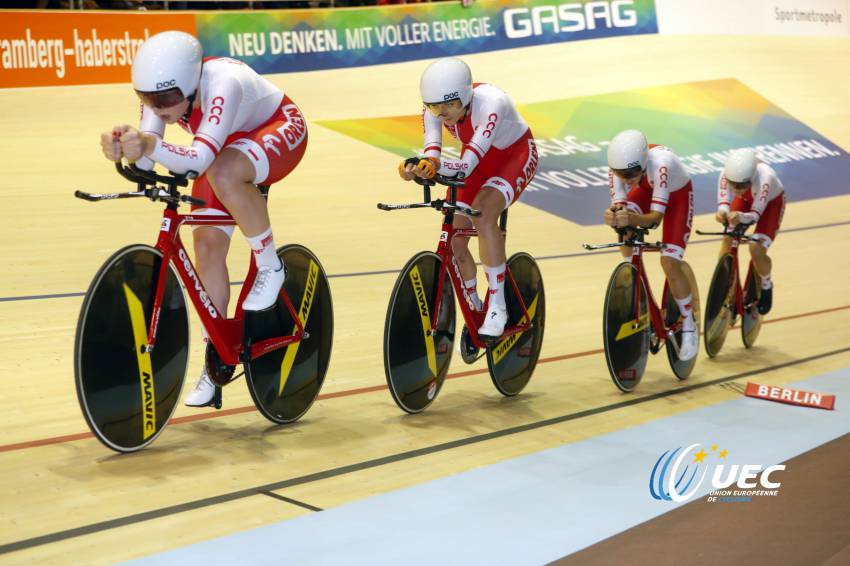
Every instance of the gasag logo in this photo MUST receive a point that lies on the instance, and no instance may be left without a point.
(678, 474)
(572, 17)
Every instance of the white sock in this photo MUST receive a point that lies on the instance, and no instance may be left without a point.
(264, 250)
(766, 283)
(687, 311)
(471, 286)
(496, 282)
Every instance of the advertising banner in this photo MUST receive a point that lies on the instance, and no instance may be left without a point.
(701, 122)
(73, 48)
(303, 40)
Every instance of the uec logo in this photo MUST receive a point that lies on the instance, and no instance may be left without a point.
(670, 482)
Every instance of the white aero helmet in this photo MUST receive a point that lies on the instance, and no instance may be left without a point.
(167, 68)
(628, 150)
(740, 166)
(445, 80)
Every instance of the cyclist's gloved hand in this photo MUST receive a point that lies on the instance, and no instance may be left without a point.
(406, 168)
(424, 168)
(427, 167)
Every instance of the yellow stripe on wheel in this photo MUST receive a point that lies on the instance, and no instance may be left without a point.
(630, 328)
(140, 336)
(303, 315)
(503, 347)
(422, 302)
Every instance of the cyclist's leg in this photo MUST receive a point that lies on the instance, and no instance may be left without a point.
(491, 248)
(465, 261)
(765, 233)
(678, 219)
(260, 157)
(211, 244)
(507, 173)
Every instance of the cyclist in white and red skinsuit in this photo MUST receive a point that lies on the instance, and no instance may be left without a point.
(498, 160)
(246, 133)
(759, 198)
(658, 188)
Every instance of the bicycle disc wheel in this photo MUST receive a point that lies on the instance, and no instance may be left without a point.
(128, 396)
(681, 368)
(285, 382)
(512, 360)
(626, 338)
(719, 306)
(751, 320)
(417, 357)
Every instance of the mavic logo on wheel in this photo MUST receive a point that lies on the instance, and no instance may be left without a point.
(143, 356)
(303, 315)
(677, 476)
(148, 404)
(632, 327)
(505, 345)
(424, 315)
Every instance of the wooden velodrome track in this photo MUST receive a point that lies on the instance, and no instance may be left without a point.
(66, 497)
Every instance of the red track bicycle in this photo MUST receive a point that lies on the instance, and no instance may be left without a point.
(633, 324)
(419, 331)
(132, 340)
(727, 300)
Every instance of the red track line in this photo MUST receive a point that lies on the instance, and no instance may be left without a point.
(348, 392)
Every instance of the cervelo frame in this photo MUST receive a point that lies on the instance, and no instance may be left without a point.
(472, 318)
(737, 234)
(661, 331)
(227, 335)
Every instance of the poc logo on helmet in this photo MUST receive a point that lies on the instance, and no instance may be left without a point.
(166, 84)
(631, 164)
(451, 96)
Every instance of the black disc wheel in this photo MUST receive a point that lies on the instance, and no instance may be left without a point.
(626, 327)
(719, 306)
(417, 355)
(512, 359)
(127, 393)
(284, 382)
(681, 368)
(751, 320)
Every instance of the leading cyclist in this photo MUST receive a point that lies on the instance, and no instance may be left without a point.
(246, 133)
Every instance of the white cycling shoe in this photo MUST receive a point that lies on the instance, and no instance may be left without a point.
(264, 291)
(689, 347)
(202, 394)
(494, 323)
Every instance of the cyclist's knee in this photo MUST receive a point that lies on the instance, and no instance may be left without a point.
(227, 174)
(757, 249)
(670, 265)
(211, 245)
(460, 247)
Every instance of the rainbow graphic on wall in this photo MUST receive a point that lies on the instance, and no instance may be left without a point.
(702, 122)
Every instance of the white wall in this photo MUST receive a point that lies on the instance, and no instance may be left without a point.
(827, 18)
